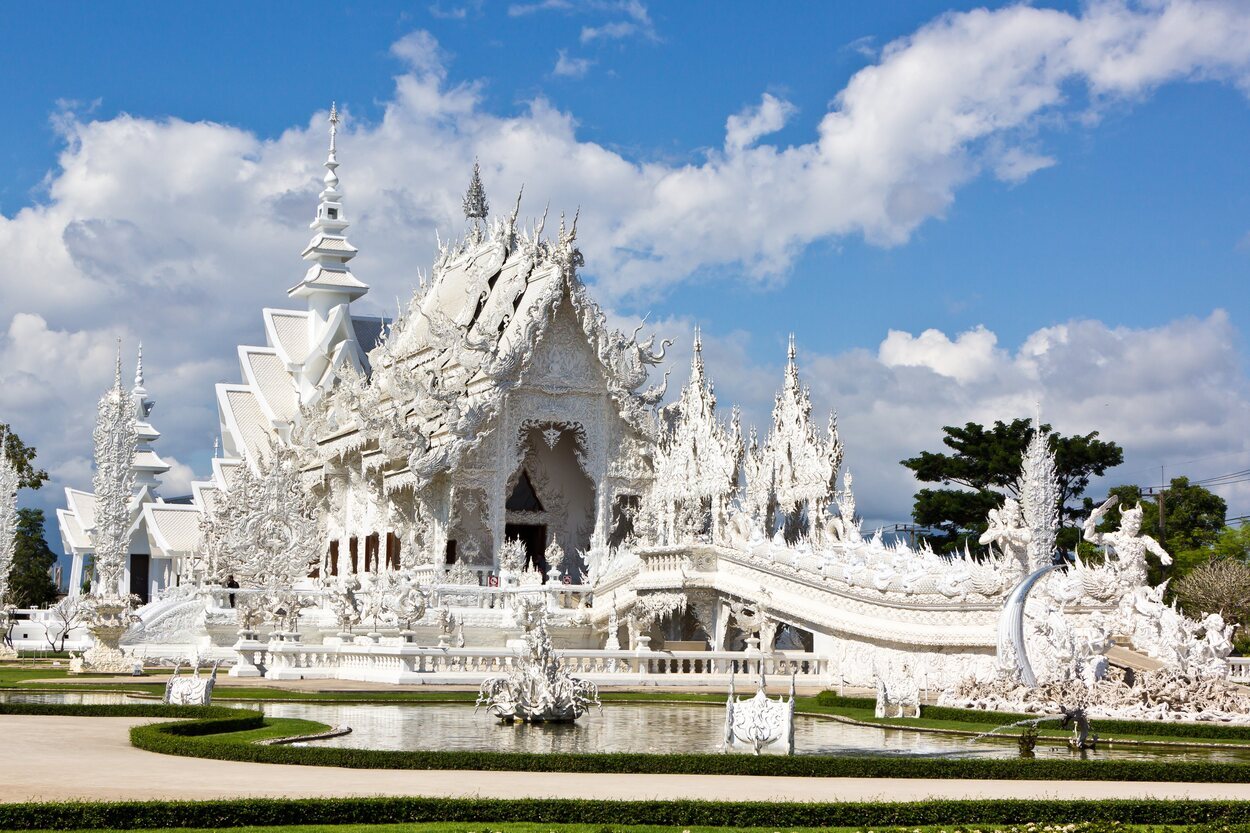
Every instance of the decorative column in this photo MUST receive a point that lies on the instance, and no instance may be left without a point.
(116, 438)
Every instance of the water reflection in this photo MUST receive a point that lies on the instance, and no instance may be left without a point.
(625, 727)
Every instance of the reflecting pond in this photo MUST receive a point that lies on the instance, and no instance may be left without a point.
(629, 727)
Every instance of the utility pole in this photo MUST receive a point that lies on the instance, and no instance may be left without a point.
(1162, 514)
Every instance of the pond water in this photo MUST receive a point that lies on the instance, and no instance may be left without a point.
(630, 727)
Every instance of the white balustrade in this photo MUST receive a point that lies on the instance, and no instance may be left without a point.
(367, 660)
(1239, 669)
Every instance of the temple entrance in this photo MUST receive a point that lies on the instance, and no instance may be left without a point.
(534, 537)
(139, 571)
(550, 499)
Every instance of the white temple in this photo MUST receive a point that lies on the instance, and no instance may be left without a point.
(386, 487)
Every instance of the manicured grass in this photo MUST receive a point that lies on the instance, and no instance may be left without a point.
(276, 727)
(514, 827)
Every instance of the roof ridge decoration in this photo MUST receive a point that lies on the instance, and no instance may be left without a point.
(795, 467)
(697, 455)
(116, 439)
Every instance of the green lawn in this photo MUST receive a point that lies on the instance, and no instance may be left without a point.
(516, 827)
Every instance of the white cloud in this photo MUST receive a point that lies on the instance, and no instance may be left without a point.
(179, 233)
(746, 128)
(968, 357)
(567, 67)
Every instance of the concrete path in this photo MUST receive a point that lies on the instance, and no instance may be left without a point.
(59, 758)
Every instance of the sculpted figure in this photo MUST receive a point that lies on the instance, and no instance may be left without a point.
(1008, 533)
(1127, 542)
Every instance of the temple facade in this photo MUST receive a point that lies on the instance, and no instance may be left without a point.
(499, 437)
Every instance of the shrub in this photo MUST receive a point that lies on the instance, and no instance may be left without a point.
(271, 812)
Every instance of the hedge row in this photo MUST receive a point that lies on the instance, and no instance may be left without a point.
(123, 710)
(271, 812)
(194, 739)
(1103, 726)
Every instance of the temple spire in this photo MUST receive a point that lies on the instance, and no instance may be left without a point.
(696, 358)
(147, 465)
(475, 205)
(329, 282)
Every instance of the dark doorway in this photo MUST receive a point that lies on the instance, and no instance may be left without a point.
(139, 565)
(534, 537)
(523, 497)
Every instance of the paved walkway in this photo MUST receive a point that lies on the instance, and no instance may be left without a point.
(59, 758)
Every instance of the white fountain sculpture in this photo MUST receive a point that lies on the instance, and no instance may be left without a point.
(193, 690)
(538, 690)
(897, 692)
(760, 722)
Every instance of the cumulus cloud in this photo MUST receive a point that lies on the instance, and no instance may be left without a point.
(180, 232)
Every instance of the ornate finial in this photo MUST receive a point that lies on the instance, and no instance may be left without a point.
(475, 205)
(139, 368)
(117, 368)
(216, 447)
(790, 354)
(698, 339)
(334, 123)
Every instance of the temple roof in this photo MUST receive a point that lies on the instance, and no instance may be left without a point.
(173, 529)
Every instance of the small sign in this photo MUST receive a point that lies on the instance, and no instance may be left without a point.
(492, 581)
(567, 580)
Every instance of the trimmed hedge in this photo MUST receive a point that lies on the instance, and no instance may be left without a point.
(1103, 726)
(124, 710)
(132, 815)
(195, 739)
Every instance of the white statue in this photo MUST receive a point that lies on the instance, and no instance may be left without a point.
(759, 722)
(1127, 543)
(190, 691)
(1008, 532)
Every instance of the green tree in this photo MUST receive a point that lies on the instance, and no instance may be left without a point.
(1233, 542)
(22, 457)
(986, 464)
(30, 584)
(1193, 524)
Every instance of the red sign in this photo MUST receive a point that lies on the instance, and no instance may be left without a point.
(492, 581)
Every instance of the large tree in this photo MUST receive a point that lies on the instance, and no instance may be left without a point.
(22, 457)
(30, 583)
(985, 463)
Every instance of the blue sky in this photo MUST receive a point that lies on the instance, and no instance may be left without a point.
(1128, 226)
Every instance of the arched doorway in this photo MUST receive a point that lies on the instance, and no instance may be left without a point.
(549, 496)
